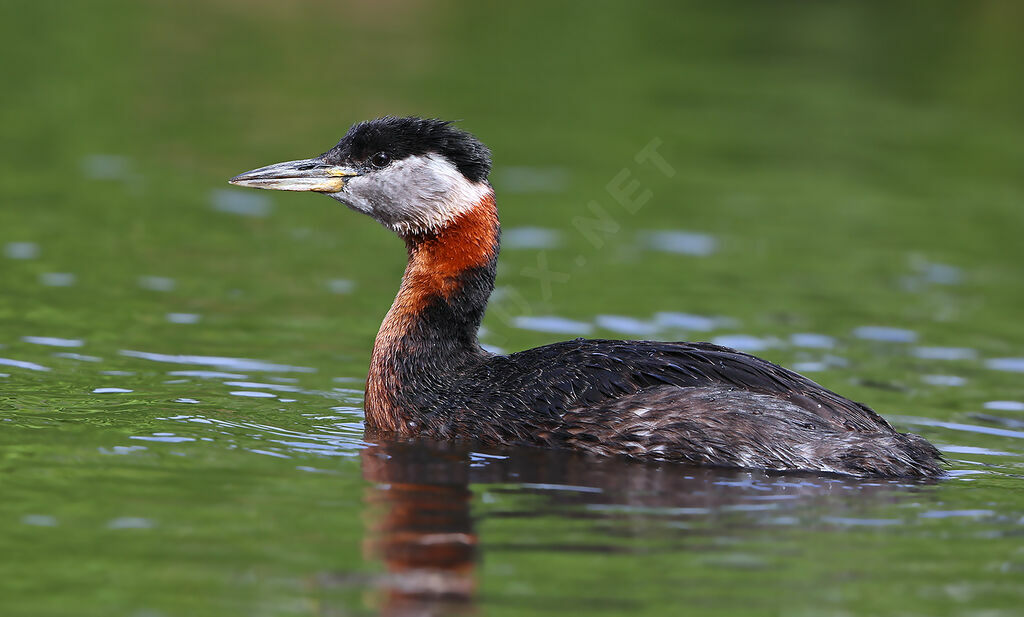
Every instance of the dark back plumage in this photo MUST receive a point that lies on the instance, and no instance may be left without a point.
(686, 402)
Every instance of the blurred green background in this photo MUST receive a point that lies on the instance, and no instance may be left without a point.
(851, 170)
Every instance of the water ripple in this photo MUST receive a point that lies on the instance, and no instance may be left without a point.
(743, 342)
(57, 279)
(39, 520)
(32, 366)
(341, 286)
(691, 243)
(553, 324)
(239, 364)
(240, 202)
(886, 334)
(957, 426)
(77, 356)
(955, 513)
(1015, 365)
(630, 326)
(207, 374)
(686, 321)
(183, 318)
(252, 394)
(944, 380)
(268, 386)
(21, 250)
(811, 340)
(974, 450)
(53, 341)
(944, 353)
(530, 238)
(1005, 405)
(156, 283)
(337, 439)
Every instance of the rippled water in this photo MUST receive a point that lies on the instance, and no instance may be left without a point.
(181, 363)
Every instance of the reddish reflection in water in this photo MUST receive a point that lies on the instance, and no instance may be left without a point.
(419, 525)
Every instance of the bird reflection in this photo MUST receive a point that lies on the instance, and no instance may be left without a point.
(420, 524)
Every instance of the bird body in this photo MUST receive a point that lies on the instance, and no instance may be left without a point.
(696, 403)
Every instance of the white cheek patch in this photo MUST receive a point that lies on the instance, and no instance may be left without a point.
(414, 195)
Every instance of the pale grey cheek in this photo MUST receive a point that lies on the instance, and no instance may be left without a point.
(350, 202)
(403, 196)
(355, 198)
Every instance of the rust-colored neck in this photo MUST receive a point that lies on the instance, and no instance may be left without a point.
(433, 321)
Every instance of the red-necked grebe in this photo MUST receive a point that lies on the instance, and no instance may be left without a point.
(689, 402)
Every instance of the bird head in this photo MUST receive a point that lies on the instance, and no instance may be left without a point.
(413, 175)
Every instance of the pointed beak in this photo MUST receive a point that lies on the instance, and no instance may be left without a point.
(305, 175)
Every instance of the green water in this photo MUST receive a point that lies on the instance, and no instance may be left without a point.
(841, 190)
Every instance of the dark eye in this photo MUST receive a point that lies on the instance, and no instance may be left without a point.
(381, 159)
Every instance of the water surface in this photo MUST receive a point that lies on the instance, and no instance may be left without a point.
(839, 189)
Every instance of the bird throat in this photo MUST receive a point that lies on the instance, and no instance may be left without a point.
(431, 328)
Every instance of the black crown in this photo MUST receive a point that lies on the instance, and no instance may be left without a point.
(403, 137)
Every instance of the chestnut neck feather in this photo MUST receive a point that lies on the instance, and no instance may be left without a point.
(432, 325)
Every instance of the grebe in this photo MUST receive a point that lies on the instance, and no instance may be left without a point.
(695, 403)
